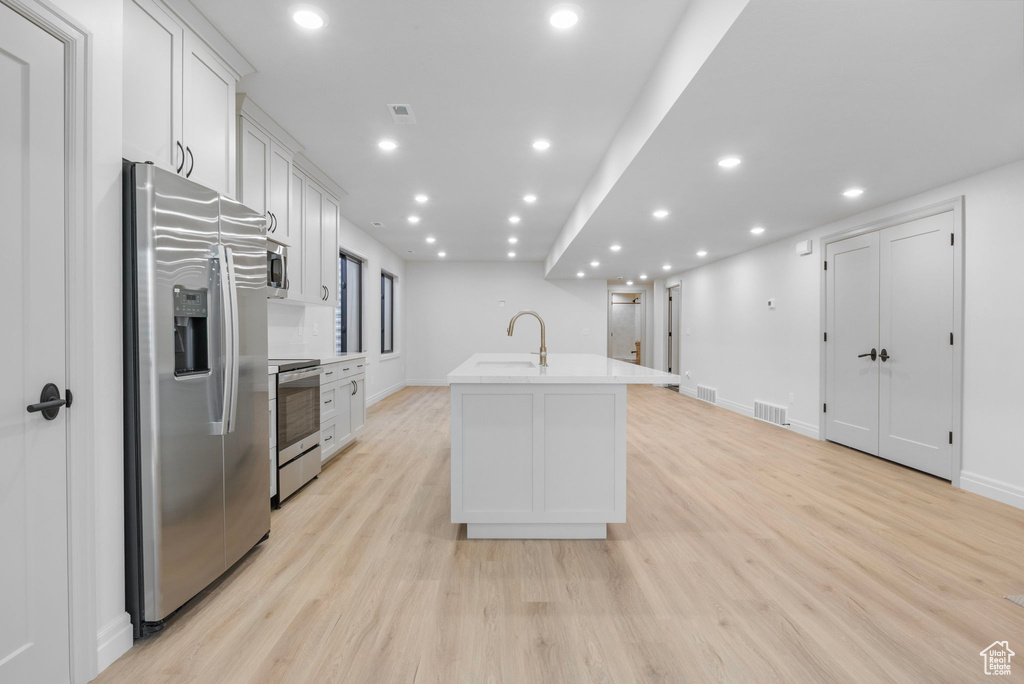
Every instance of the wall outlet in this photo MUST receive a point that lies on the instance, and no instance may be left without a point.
(316, 329)
(687, 374)
(501, 303)
(771, 303)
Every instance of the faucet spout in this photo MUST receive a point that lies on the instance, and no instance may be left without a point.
(543, 340)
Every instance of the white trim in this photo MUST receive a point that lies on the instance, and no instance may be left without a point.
(799, 427)
(426, 383)
(113, 641)
(384, 394)
(992, 488)
(956, 206)
(80, 420)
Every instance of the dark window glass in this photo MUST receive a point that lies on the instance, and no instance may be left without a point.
(387, 313)
(348, 317)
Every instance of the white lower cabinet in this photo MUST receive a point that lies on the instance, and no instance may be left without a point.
(342, 405)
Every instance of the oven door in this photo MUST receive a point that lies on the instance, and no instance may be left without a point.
(277, 271)
(298, 413)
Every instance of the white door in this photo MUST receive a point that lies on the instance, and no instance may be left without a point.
(916, 378)
(33, 479)
(209, 119)
(851, 376)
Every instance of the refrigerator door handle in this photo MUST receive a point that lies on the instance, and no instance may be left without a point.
(232, 367)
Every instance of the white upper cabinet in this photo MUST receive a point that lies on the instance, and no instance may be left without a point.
(253, 158)
(279, 194)
(209, 129)
(296, 221)
(179, 99)
(312, 285)
(329, 251)
(153, 47)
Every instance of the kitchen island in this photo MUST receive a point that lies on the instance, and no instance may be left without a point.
(539, 452)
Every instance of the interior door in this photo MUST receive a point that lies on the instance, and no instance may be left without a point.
(152, 86)
(34, 630)
(916, 372)
(209, 119)
(851, 378)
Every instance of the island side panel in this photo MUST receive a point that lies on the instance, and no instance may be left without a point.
(575, 443)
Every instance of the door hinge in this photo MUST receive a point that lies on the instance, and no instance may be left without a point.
(826, 265)
(824, 408)
(950, 436)
(952, 237)
(950, 338)
(826, 337)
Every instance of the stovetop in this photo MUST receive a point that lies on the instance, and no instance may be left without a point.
(293, 364)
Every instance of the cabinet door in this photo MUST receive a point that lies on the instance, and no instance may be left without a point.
(279, 194)
(358, 403)
(343, 420)
(313, 200)
(254, 153)
(329, 251)
(152, 77)
(209, 119)
(296, 225)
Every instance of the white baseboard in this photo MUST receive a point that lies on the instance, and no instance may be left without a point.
(992, 489)
(384, 394)
(426, 383)
(113, 641)
(799, 427)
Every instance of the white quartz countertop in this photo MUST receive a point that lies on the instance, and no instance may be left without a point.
(568, 369)
(341, 359)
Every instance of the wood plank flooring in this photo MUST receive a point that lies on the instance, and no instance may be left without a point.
(751, 554)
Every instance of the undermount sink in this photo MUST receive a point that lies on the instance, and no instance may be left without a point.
(506, 364)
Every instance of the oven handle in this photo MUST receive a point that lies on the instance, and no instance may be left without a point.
(290, 376)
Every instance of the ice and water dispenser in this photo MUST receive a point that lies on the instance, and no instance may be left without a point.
(191, 336)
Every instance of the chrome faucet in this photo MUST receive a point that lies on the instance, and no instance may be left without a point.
(543, 343)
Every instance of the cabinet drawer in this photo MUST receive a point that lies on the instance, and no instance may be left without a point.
(328, 403)
(341, 371)
(328, 439)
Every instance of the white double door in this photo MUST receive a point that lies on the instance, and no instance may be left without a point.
(889, 346)
(34, 633)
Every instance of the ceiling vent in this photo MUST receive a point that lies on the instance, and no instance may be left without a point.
(377, 224)
(402, 113)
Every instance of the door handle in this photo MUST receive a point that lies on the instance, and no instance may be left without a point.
(873, 354)
(182, 151)
(192, 161)
(50, 401)
(884, 355)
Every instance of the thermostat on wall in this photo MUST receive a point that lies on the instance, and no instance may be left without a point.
(803, 248)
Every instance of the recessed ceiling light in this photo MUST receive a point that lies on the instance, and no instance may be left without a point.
(595, 264)
(564, 17)
(387, 145)
(541, 145)
(729, 162)
(580, 274)
(431, 240)
(629, 282)
(513, 240)
(529, 199)
(702, 253)
(513, 219)
(853, 192)
(615, 248)
(308, 17)
(666, 267)
(757, 230)
(442, 254)
(511, 254)
(414, 219)
(643, 276)
(421, 198)
(660, 213)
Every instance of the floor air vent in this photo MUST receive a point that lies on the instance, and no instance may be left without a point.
(770, 413)
(708, 394)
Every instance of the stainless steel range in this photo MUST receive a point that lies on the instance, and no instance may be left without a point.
(298, 424)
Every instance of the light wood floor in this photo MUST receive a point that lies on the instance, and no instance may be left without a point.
(751, 554)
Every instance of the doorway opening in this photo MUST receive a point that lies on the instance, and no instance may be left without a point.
(626, 326)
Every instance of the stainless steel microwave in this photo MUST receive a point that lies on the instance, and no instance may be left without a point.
(277, 270)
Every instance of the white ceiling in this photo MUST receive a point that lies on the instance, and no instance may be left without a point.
(896, 97)
(484, 78)
(816, 97)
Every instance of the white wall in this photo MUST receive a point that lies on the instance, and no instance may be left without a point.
(746, 351)
(291, 326)
(453, 312)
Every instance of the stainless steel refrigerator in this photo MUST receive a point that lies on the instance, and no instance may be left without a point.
(197, 481)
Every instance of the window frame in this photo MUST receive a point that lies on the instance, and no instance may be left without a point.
(345, 255)
(387, 315)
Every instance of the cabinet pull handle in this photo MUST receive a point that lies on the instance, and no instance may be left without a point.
(191, 161)
(355, 388)
(181, 150)
(329, 373)
(328, 401)
(345, 369)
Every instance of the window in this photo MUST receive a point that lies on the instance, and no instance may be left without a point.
(387, 313)
(348, 317)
